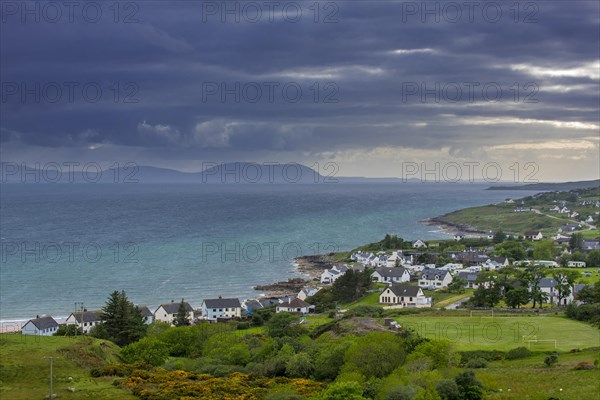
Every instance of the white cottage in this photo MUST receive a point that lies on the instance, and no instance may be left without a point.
(293, 306)
(168, 311)
(44, 326)
(221, 308)
(390, 275)
(434, 279)
(86, 320)
(406, 296)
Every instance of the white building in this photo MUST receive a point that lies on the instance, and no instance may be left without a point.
(168, 311)
(391, 275)
(44, 326)
(434, 279)
(417, 244)
(294, 306)
(405, 296)
(221, 308)
(307, 292)
(85, 320)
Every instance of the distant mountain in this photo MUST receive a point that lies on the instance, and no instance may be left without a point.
(233, 173)
(558, 187)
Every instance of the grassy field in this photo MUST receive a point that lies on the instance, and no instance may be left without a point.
(492, 216)
(25, 368)
(593, 272)
(530, 379)
(590, 234)
(502, 332)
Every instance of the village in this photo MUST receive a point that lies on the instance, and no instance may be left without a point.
(402, 278)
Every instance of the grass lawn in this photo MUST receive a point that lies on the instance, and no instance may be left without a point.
(25, 370)
(504, 333)
(530, 379)
(445, 299)
(590, 234)
(593, 278)
(371, 299)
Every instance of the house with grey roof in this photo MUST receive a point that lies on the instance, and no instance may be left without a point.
(41, 326)
(168, 311)
(405, 296)
(390, 275)
(307, 292)
(85, 319)
(434, 279)
(221, 308)
(293, 306)
(147, 315)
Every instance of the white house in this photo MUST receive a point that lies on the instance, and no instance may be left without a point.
(221, 308)
(406, 296)
(534, 235)
(389, 275)
(330, 275)
(470, 279)
(168, 311)
(44, 326)
(451, 267)
(417, 244)
(294, 306)
(307, 292)
(434, 279)
(548, 286)
(459, 236)
(86, 320)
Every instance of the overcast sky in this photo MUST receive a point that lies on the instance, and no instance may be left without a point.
(368, 85)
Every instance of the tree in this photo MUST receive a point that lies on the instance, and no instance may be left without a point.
(470, 388)
(375, 354)
(182, 317)
(486, 297)
(531, 277)
(543, 250)
(457, 286)
(283, 324)
(593, 258)
(499, 236)
(352, 285)
(564, 283)
(121, 321)
(343, 391)
(148, 350)
(68, 330)
(515, 298)
(538, 296)
(589, 294)
(576, 241)
(299, 366)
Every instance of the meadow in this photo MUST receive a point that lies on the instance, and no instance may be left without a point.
(25, 368)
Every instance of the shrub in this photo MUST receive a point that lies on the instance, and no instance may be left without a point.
(487, 355)
(476, 363)
(448, 389)
(551, 359)
(518, 352)
(366, 311)
(584, 365)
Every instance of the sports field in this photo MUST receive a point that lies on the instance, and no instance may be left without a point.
(484, 332)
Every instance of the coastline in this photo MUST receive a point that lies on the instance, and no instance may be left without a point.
(451, 227)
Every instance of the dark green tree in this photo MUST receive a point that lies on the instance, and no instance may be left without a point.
(121, 321)
(499, 237)
(576, 241)
(515, 298)
(593, 258)
(531, 277)
(182, 317)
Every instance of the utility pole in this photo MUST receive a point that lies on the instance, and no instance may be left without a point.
(51, 391)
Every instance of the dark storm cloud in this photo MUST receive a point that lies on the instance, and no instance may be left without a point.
(160, 78)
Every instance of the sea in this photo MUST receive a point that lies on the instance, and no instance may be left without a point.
(63, 244)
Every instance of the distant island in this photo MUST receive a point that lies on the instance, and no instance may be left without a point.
(555, 187)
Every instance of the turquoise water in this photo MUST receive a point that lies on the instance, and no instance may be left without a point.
(64, 243)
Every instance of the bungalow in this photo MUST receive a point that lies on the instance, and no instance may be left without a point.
(389, 275)
(307, 292)
(434, 279)
(330, 275)
(294, 306)
(168, 311)
(451, 267)
(44, 326)
(252, 305)
(417, 244)
(85, 320)
(564, 210)
(406, 296)
(568, 228)
(533, 235)
(221, 308)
